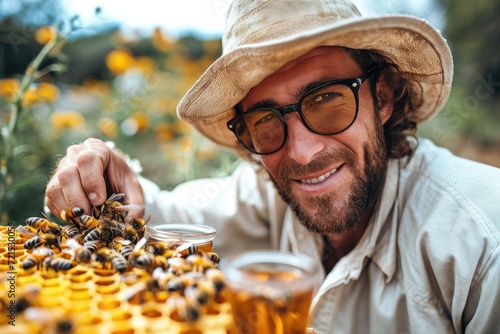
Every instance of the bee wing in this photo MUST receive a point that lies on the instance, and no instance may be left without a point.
(73, 244)
(25, 230)
(140, 244)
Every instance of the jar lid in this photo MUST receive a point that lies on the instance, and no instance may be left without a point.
(187, 232)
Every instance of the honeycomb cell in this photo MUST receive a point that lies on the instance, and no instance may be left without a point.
(108, 304)
(94, 298)
(151, 313)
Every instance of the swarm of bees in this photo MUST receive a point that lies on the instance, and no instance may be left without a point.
(106, 241)
(104, 237)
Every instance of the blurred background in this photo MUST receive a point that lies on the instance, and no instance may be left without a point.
(115, 70)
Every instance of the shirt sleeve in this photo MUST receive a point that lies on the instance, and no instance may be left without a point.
(243, 207)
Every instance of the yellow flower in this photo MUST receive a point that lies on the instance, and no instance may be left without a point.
(69, 119)
(164, 132)
(47, 92)
(45, 34)
(141, 119)
(119, 61)
(145, 64)
(108, 127)
(30, 97)
(9, 88)
(96, 86)
(44, 92)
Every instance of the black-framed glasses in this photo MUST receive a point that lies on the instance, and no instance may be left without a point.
(326, 110)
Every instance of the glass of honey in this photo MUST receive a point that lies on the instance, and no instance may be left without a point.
(270, 291)
(199, 235)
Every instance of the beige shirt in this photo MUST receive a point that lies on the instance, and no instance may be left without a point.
(428, 262)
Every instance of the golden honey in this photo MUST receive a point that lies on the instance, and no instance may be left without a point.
(201, 236)
(270, 292)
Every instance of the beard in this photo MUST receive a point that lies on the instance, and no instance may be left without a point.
(336, 216)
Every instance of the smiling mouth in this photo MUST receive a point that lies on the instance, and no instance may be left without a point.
(319, 178)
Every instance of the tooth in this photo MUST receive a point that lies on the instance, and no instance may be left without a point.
(320, 178)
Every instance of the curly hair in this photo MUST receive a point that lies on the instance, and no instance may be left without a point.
(401, 124)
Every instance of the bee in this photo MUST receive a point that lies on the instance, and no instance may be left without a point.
(130, 234)
(58, 263)
(70, 230)
(139, 293)
(178, 265)
(161, 278)
(36, 257)
(27, 297)
(122, 246)
(147, 261)
(108, 212)
(214, 257)
(94, 246)
(200, 293)
(37, 224)
(72, 215)
(175, 284)
(107, 255)
(44, 225)
(184, 310)
(139, 225)
(216, 277)
(89, 222)
(51, 322)
(43, 239)
(92, 235)
(79, 253)
(186, 249)
(161, 248)
(199, 263)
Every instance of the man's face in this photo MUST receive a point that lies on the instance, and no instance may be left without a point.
(329, 181)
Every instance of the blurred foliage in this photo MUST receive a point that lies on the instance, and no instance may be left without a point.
(129, 98)
(471, 117)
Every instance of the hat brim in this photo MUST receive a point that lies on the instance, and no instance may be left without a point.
(411, 43)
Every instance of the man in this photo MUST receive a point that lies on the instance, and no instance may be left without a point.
(326, 103)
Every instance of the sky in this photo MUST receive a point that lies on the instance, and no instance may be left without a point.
(206, 17)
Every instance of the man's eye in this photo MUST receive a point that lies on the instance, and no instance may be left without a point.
(325, 97)
(267, 118)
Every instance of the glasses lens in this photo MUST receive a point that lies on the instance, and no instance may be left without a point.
(330, 109)
(261, 131)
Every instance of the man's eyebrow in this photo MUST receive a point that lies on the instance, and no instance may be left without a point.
(267, 103)
(310, 86)
(270, 103)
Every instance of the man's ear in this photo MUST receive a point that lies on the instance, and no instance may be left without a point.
(385, 96)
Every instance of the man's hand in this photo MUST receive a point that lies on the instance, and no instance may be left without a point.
(87, 175)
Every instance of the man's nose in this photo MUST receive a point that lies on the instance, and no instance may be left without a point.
(302, 144)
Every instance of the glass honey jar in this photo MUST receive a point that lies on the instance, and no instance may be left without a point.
(199, 235)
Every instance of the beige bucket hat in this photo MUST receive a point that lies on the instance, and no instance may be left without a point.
(262, 35)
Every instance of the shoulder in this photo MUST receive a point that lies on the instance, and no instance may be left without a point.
(434, 177)
(448, 226)
(448, 211)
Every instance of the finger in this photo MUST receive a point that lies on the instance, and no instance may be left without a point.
(133, 211)
(71, 187)
(54, 197)
(92, 161)
(122, 179)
